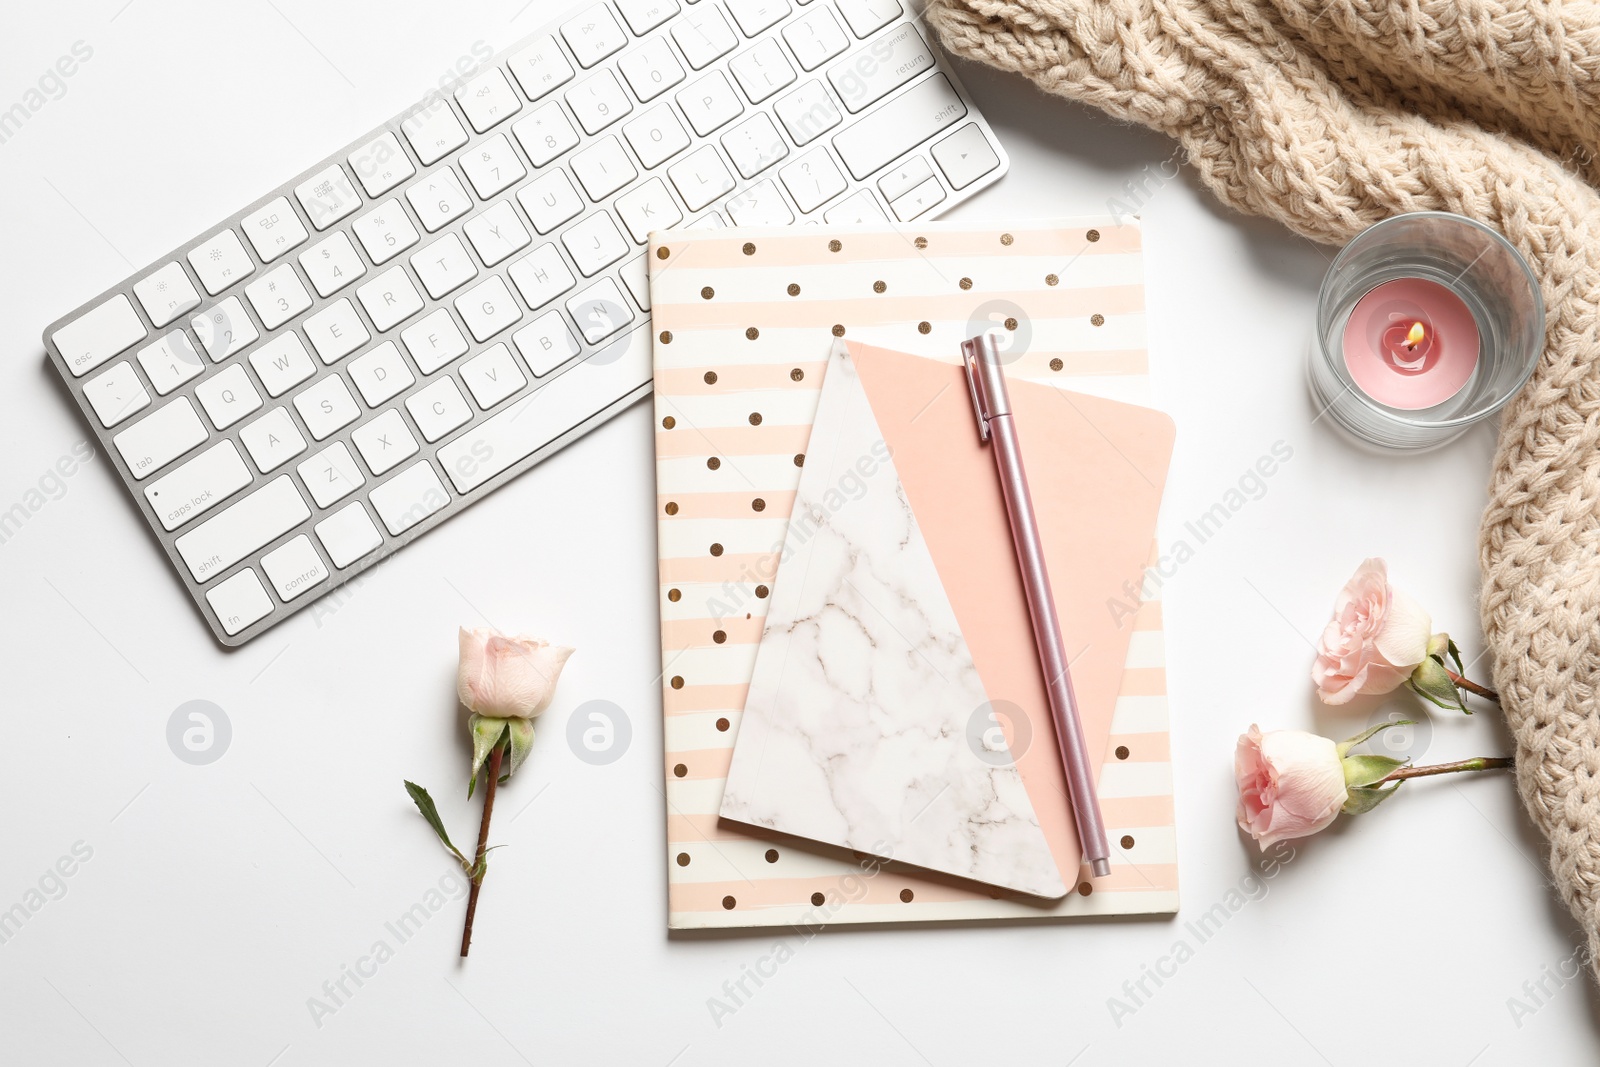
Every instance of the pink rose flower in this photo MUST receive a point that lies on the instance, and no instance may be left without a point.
(1291, 784)
(1376, 638)
(507, 677)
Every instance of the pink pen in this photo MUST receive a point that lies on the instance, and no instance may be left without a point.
(987, 380)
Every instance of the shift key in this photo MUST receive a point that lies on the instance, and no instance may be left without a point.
(220, 542)
(899, 126)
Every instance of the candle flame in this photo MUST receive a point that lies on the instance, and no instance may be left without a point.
(1415, 335)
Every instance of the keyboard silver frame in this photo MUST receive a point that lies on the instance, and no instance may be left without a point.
(459, 502)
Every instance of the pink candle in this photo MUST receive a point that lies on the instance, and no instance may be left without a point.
(1411, 344)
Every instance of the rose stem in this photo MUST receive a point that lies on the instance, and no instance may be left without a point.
(483, 846)
(1480, 763)
(1473, 687)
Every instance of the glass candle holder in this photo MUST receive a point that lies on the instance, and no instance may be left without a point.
(1426, 323)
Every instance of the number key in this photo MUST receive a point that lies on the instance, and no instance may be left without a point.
(438, 198)
(545, 134)
(492, 166)
(651, 69)
(598, 102)
(385, 231)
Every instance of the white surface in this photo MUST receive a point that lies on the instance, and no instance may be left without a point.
(218, 898)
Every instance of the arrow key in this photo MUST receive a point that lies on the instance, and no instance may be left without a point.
(965, 156)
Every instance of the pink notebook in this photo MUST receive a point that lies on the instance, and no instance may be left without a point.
(745, 320)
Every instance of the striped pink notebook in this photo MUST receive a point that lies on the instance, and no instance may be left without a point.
(745, 320)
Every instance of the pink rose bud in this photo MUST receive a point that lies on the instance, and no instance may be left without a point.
(1376, 638)
(507, 677)
(1291, 784)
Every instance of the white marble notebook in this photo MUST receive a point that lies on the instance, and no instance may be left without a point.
(855, 729)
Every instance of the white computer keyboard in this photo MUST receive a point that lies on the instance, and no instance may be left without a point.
(422, 316)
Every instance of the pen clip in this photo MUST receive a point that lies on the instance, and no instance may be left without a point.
(971, 352)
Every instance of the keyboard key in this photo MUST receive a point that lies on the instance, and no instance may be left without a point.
(642, 16)
(170, 361)
(754, 145)
(546, 344)
(541, 276)
(242, 528)
(390, 299)
(599, 311)
(858, 207)
(874, 71)
(198, 485)
(603, 168)
(444, 266)
(160, 437)
(762, 70)
(438, 198)
(433, 132)
(98, 334)
(224, 330)
(381, 374)
(381, 164)
(813, 179)
(166, 294)
(272, 440)
(384, 443)
(221, 261)
(496, 233)
(116, 394)
(918, 201)
(326, 406)
(502, 441)
(656, 136)
(704, 35)
(228, 396)
(331, 474)
(336, 331)
(635, 274)
(753, 16)
(710, 103)
(282, 364)
(294, 568)
(278, 296)
(348, 534)
(760, 205)
(492, 166)
(808, 113)
(492, 376)
(332, 264)
(488, 100)
(274, 230)
(545, 134)
(651, 69)
(906, 176)
(593, 35)
(385, 231)
(540, 67)
(550, 200)
(899, 125)
(327, 196)
(409, 497)
(438, 409)
(867, 16)
(648, 207)
(598, 102)
(434, 341)
(239, 601)
(487, 308)
(594, 243)
(815, 38)
(965, 156)
(700, 178)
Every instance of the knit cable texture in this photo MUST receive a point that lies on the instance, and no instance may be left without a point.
(1332, 115)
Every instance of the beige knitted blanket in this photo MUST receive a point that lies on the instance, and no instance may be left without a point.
(1331, 115)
